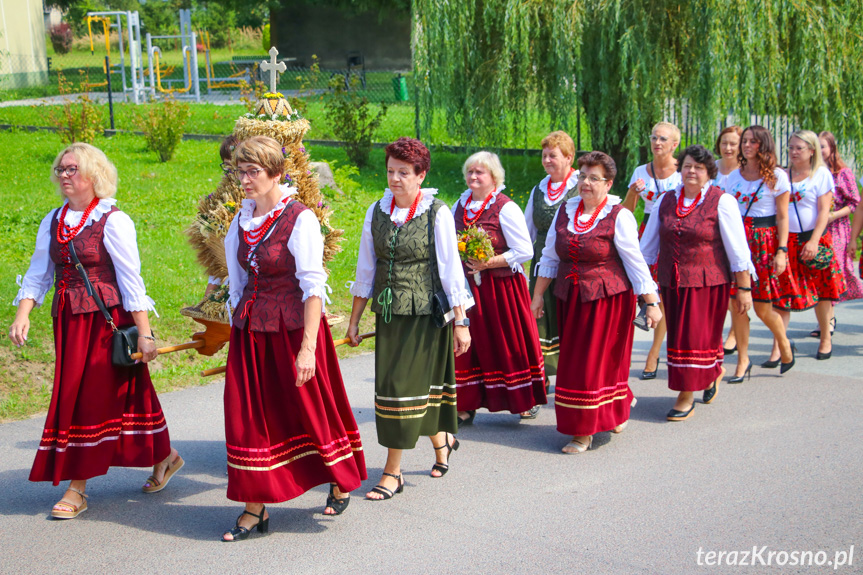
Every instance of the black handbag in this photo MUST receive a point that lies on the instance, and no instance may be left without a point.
(442, 313)
(124, 341)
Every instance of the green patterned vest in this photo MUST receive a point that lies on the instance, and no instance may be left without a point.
(543, 215)
(402, 262)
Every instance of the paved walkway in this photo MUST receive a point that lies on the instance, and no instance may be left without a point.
(773, 462)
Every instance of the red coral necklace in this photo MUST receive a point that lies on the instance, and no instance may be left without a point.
(554, 194)
(413, 209)
(468, 220)
(683, 211)
(64, 232)
(581, 228)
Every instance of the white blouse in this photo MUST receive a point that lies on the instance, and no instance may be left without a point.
(448, 261)
(730, 229)
(742, 191)
(651, 195)
(120, 241)
(305, 243)
(625, 240)
(805, 194)
(543, 187)
(512, 225)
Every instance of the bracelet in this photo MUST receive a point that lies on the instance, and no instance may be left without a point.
(744, 288)
(652, 304)
(150, 337)
(782, 249)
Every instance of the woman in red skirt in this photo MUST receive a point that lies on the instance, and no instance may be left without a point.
(698, 239)
(288, 423)
(592, 253)
(503, 370)
(812, 281)
(100, 415)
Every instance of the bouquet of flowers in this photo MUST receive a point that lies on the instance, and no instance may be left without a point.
(474, 243)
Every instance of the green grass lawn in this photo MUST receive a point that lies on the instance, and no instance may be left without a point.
(161, 199)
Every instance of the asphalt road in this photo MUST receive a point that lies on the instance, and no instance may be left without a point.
(774, 463)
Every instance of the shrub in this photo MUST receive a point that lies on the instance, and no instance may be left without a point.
(61, 38)
(163, 126)
(351, 118)
(78, 120)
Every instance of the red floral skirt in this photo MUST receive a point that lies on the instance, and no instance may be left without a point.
(592, 390)
(695, 317)
(762, 245)
(503, 370)
(803, 287)
(283, 440)
(100, 415)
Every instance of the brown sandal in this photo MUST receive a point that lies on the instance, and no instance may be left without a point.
(72, 511)
(154, 486)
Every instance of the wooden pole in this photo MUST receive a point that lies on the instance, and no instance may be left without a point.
(171, 348)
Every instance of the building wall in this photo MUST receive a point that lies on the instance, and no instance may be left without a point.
(305, 29)
(24, 61)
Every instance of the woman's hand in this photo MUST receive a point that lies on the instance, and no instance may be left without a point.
(852, 248)
(353, 334)
(537, 305)
(654, 316)
(148, 348)
(19, 329)
(461, 338)
(809, 250)
(780, 262)
(305, 365)
(744, 301)
(476, 266)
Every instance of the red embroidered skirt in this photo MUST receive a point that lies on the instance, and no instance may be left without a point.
(100, 415)
(695, 317)
(762, 244)
(283, 440)
(504, 369)
(592, 390)
(803, 287)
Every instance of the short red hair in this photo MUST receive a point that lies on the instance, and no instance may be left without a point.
(410, 151)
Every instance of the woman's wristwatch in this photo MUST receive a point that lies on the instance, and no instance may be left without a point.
(652, 304)
(782, 249)
(463, 322)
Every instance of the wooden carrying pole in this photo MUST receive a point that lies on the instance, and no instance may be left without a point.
(207, 342)
(336, 343)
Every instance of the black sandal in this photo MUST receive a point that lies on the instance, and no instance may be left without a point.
(386, 492)
(442, 468)
(467, 420)
(338, 505)
(238, 533)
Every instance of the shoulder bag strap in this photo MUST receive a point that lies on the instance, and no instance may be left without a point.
(752, 199)
(655, 181)
(794, 200)
(91, 291)
(432, 214)
(272, 229)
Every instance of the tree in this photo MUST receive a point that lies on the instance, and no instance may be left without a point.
(492, 64)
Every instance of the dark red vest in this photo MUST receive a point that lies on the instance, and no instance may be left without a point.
(278, 297)
(490, 222)
(592, 260)
(96, 260)
(691, 253)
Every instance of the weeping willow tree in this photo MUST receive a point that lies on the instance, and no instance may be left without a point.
(493, 66)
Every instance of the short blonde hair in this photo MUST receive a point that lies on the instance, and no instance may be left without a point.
(263, 151)
(93, 165)
(810, 138)
(668, 126)
(562, 141)
(490, 162)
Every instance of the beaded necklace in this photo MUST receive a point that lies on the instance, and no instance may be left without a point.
(581, 228)
(683, 211)
(470, 220)
(413, 209)
(554, 194)
(64, 232)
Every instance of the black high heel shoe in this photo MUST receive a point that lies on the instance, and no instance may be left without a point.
(771, 363)
(442, 468)
(746, 375)
(337, 505)
(238, 533)
(824, 355)
(786, 366)
(468, 420)
(729, 351)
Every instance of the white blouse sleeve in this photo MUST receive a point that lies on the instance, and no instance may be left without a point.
(121, 241)
(650, 237)
(307, 246)
(238, 277)
(626, 242)
(783, 184)
(528, 216)
(517, 237)
(39, 277)
(364, 283)
(734, 236)
(448, 262)
(549, 261)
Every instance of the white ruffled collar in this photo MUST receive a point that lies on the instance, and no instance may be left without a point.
(700, 198)
(571, 182)
(467, 197)
(572, 206)
(73, 218)
(247, 209)
(399, 215)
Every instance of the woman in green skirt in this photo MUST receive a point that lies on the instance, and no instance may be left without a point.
(408, 251)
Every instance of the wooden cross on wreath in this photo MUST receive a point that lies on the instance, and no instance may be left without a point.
(273, 68)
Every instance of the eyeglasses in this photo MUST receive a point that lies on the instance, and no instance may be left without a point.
(661, 139)
(592, 179)
(253, 173)
(68, 170)
(227, 168)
